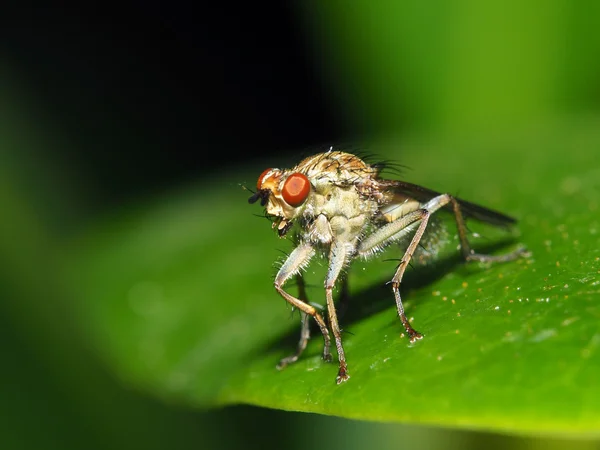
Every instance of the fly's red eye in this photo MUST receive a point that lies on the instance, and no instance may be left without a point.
(260, 179)
(296, 189)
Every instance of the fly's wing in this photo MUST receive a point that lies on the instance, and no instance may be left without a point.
(403, 191)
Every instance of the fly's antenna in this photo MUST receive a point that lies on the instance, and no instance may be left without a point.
(262, 194)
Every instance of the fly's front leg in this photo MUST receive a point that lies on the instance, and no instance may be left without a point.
(305, 327)
(343, 301)
(396, 230)
(468, 253)
(338, 257)
(292, 265)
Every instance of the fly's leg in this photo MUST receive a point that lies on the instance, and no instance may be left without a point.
(423, 216)
(403, 225)
(299, 257)
(304, 331)
(304, 337)
(338, 256)
(343, 301)
(467, 252)
(396, 230)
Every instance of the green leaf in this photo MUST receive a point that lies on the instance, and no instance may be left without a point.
(177, 298)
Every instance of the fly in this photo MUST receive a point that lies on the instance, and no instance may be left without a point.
(344, 209)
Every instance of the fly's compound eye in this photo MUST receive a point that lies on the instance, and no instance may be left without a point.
(296, 189)
(261, 177)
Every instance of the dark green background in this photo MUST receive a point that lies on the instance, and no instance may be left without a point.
(105, 116)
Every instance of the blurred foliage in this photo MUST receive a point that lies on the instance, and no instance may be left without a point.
(462, 66)
(509, 87)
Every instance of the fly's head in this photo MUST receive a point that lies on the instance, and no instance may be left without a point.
(283, 193)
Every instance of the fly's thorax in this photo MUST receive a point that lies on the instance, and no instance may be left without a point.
(336, 167)
(323, 230)
(334, 200)
(338, 212)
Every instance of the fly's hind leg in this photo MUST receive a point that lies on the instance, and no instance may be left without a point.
(292, 266)
(467, 252)
(304, 330)
(418, 219)
(395, 230)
